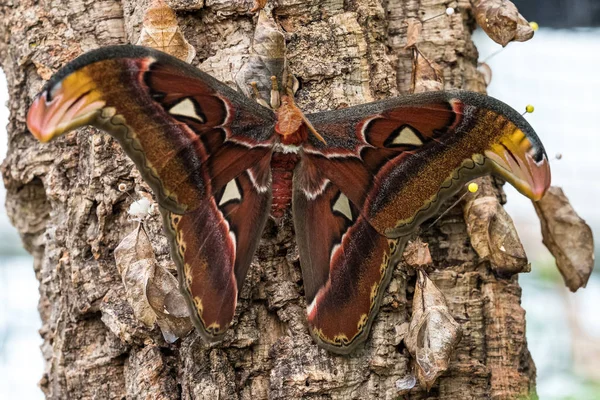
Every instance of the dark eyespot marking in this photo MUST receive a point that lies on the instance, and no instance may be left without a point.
(538, 154)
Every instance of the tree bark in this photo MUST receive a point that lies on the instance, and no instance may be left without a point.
(64, 200)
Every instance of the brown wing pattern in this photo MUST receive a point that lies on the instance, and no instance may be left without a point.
(344, 260)
(187, 133)
(393, 163)
(203, 148)
(397, 160)
(213, 247)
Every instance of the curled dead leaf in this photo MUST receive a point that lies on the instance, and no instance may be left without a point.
(416, 253)
(172, 315)
(150, 289)
(267, 58)
(135, 261)
(493, 234)
(426, 75)
(524, 30)
(567, 236)
(413, 32)
(268, 41)
(502, 22)
(485, 71)
(433, 333)
(160, 30)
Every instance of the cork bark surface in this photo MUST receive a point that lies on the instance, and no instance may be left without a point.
(64, 200)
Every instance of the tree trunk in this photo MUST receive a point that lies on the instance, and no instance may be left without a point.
(65, 202)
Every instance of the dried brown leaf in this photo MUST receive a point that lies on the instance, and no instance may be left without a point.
(267, 58)
(426, 75)
(172, 315)
(524, 30)
(433, 333)
(485, 71)
(567, 236)
(502, 22)
(135, 261)
(493, 234)
(268, 39)
(413, 32)
(416, 253)
(161, 31)
(150, 289)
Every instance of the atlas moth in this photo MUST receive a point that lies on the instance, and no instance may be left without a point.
(357, 181)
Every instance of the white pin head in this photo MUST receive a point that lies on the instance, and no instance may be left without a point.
(140, 209)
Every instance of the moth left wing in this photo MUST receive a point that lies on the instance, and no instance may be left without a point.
(188, 134)
(384, 169)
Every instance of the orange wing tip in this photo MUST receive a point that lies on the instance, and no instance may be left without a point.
(68, 105)
(518, 163)
(36, 120)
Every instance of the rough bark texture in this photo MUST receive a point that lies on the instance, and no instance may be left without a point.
(64, 199)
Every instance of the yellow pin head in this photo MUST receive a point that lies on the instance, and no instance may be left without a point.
(529, 108)
(473, 187)
(534, 25)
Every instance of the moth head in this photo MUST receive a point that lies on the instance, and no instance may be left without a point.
(521, 160)
(64, 104)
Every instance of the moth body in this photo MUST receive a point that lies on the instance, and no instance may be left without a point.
(290, 123)
(282, 170)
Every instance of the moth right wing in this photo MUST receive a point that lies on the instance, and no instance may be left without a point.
(400, 158)
(382, 170)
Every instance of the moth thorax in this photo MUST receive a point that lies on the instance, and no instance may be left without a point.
(290, 124)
